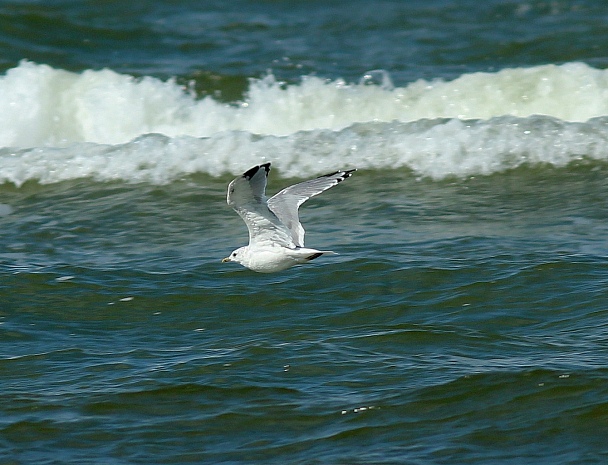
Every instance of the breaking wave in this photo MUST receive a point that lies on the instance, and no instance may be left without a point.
(58, 125)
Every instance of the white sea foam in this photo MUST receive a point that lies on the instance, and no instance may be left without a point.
(432, 148)
(57, 125)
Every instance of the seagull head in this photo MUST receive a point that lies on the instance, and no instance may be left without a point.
(236, 256)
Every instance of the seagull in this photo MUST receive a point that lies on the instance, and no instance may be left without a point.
(276, 237)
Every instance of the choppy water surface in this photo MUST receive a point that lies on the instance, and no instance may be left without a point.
(464, 319)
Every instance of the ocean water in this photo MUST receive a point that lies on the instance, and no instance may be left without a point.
(465, 319)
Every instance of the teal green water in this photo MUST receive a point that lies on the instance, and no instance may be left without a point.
(464, 319)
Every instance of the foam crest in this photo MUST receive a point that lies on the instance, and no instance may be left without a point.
(57, 125)
(436, 149)
(42, 106)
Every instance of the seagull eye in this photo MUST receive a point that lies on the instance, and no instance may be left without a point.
(234, 254)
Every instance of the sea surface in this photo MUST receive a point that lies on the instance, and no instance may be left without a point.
(465, 319)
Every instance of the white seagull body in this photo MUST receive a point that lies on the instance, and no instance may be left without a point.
(276, 237)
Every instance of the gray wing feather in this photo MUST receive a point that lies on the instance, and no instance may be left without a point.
(285, 204)
(246, 195)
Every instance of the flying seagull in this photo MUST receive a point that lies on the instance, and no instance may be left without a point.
(276, 237)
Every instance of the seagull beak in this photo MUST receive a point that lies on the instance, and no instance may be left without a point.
(225, 260)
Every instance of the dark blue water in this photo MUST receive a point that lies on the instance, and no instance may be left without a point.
(464, 319)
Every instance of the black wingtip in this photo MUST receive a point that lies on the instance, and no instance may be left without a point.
(349, 173)
(250, 173)
(343, 174)
(314, 255)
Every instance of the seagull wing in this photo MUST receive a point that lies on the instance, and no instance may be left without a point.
(246, 194)
(285, 204)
